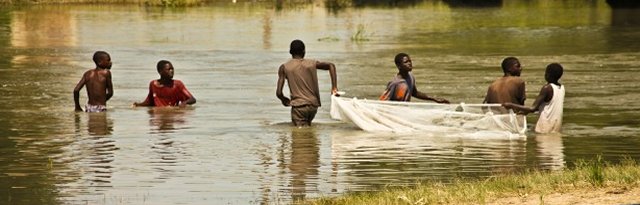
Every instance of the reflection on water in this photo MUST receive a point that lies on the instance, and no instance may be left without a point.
(168, 120)
(550, 150)
(374, 160)
(99, 124)
(237, 147)
(91, 154)
(167, 152)
(304, 162)
(56, 28)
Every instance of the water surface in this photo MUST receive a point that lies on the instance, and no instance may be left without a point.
(236, 146)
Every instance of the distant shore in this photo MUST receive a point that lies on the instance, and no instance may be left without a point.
(593, 182)
(334, 4)
(166, 3)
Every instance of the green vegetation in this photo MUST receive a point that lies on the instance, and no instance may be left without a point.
(162, 3)
(361, 34)
(588, 175)
(329, 39)
(171, 3)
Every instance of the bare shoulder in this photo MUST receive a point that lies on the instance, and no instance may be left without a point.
(88, 72)
(324, 65)
(102, 70)
(105, 72)
(515, 80)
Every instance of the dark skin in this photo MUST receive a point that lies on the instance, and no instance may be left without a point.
(98, 82)
(403, 71)
(545, 95)
(321, 65)
(509, 88)
(166, 79)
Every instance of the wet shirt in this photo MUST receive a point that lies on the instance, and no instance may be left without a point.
(302, 79)
(550, 120)
(167, 96)
(399, 89)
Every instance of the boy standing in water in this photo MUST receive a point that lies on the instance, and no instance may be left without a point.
(403, 86)
(302, 78)
(508, 88)
(549, 102)
(166, 91)
(99, 85)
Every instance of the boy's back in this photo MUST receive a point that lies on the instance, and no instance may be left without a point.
(506, 89)
(551, 112)
(96, 81)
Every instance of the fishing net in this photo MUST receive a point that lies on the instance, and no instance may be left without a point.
(390, 116)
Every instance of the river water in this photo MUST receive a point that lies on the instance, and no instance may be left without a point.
(235, 146)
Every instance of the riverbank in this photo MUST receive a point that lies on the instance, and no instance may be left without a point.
(164, 3)
(593, 182)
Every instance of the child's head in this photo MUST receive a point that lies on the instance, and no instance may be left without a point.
(553, 72)
(297, 48)
(165, 69)
(102, 59)
(511, 65)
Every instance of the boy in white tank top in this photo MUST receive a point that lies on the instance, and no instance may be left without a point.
(549, 102)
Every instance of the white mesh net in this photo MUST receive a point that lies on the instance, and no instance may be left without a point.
(389, 116)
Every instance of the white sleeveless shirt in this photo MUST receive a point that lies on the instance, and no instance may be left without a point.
(550, 120)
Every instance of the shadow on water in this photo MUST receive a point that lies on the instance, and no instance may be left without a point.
(623, 4)
(336, 6)
(625, 16)
(473, 3)
(385, 3)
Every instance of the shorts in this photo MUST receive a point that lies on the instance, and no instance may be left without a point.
(303, 115)
(95, 108)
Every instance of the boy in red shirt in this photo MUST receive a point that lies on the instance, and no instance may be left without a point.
(166, 91)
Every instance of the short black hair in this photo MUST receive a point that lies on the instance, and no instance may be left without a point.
(554, 71)
(296, 47)
(508, 61)
(398, 58)
(161, 64)
(98, 55)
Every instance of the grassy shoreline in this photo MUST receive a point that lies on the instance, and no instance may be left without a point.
(586, 177)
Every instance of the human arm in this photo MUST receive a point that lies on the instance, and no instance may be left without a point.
(190, 99)
(76, 93)
(424, 96)
(522, 95)
(545, 95)
(147, 101)
(332, 73)
(486, 97)
(109, 86)
(281, 76)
